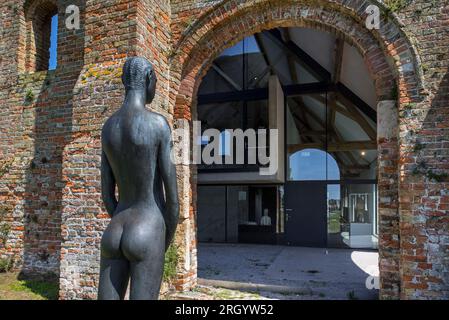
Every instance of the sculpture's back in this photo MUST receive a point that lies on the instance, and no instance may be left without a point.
(136, 158)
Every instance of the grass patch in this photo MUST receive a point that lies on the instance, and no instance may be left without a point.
(171, 262)
(5, 230)
(29, 96)
(228, 294)
(333, 224)
(5, 264)
(47, 290)
(396, 5)
(13, 289)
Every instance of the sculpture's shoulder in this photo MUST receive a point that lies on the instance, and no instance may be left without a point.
(110, 123)
(159, 123)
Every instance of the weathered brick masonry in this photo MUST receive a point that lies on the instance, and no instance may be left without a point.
(50, 123)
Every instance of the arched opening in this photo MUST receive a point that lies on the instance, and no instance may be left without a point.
(397, 79)
(308, 164)
(324, 191)
(40, 36)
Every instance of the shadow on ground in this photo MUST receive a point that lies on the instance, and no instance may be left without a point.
(325, 273)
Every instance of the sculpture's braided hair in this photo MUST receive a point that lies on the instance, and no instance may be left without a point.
(135, 72)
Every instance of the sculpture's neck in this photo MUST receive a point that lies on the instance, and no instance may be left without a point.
(135, 99)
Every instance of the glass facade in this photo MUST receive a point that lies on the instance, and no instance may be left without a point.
(228, 116)
(241, 213)
(352, 216)
(325, 142)
(241, 67)
(351, 139)
(310, 164)
(330, 143)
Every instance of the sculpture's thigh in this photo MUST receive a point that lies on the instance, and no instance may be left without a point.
(114, 278)
(146, 278)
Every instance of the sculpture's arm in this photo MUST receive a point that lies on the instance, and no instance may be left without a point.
(168, 174)
(108, 185)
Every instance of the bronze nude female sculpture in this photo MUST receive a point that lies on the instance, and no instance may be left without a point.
(136, 147)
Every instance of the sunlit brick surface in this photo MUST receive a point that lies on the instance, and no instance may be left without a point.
(50, 125)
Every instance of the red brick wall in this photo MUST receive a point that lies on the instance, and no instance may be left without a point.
(424, 159)
(114, 30)
(38, 122)
(49, 140)
(413, 238)
(35, 36)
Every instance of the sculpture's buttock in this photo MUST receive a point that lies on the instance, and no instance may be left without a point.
(130, 233)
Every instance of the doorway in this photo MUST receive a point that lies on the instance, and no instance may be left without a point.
(305, 214)
(331, 214)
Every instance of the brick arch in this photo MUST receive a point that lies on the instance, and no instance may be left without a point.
(33, 7)
(35, 19)
(388, 54)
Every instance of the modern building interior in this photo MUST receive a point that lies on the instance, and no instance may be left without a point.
(316, 90)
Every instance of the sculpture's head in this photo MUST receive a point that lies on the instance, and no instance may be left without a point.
(138, 74)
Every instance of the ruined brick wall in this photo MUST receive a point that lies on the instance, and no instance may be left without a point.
(413, 162)
(114, 30)
(36, 124)
(50, 131)
(424, 158)
(10, 219)
(50, 125)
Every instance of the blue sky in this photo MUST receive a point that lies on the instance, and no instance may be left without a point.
(310, 164)
(53, 43)
(250, 46)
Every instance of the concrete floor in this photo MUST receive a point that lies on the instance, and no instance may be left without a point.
(305, 273)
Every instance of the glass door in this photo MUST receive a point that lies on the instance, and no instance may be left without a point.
(352, 216)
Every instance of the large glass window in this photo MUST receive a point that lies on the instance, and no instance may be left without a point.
(352, 215)
(241, 67)
(306, 138)
(351, 139)
(211, 213)
(328, 138)
(249, 64)
(310, 164)
(228, 116)
(257, 222)
(221, 116)
(246, 213)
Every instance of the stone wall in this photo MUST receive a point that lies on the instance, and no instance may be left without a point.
(50, 125)
(113, 31)
(36, 125)
(424, 158)
(408, 59)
